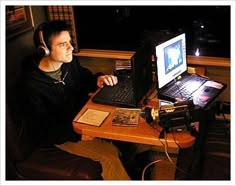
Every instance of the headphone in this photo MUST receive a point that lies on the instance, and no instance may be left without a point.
(42, 49)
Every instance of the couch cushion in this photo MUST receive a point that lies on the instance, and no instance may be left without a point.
(18, 142)
(55, 164)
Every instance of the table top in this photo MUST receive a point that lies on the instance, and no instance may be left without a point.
(143, 133)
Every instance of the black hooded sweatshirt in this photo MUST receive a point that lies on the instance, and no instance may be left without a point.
(50, 106)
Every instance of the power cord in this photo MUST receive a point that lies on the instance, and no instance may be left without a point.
(191, 163)
(165, 145)
(145, 168)
(169, 158)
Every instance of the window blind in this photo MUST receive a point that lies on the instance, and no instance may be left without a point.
(65, 13)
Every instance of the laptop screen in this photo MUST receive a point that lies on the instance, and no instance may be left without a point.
(170, 60)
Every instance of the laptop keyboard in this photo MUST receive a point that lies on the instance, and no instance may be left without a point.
(122, 92)
(186, 87)
(120, 95)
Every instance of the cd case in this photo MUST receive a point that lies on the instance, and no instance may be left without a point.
(93, 117)
(126, 117)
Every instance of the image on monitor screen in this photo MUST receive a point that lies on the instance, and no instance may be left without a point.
(170, 59)
(173, 56)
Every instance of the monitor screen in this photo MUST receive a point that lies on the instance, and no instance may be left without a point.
(170, 59)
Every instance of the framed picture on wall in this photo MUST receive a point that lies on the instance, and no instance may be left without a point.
(19, 19)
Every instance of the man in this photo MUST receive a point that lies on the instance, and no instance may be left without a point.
(56, 88)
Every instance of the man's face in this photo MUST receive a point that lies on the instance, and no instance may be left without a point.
(61, 48)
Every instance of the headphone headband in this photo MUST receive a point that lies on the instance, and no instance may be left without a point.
(42, 49)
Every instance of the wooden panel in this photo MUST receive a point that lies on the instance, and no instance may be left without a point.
(113, 54)
(192, 60)
(221, 74)
(98, 64)
(208, 61)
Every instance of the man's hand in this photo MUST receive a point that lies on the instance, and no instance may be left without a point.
(109, 80)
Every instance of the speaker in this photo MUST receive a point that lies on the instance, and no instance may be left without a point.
(42, 49)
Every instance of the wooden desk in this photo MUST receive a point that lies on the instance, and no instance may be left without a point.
(143, 133)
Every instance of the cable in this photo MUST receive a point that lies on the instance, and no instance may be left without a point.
(165, 145)
(180, 148)
(169, 158)
(154, 125)
(166, 150)
(175, 139)
(145, 168)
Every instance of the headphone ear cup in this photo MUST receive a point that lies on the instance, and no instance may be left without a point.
(43, 51)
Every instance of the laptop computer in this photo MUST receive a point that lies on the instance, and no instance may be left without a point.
(133, 85)
(173, 80)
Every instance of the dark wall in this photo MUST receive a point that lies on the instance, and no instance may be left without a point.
(17, 49)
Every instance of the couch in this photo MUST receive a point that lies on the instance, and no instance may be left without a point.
(26, 162)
